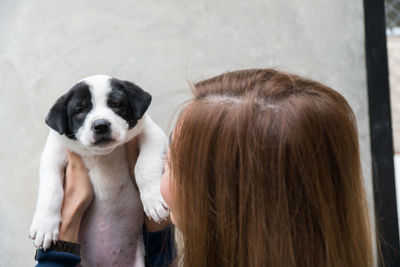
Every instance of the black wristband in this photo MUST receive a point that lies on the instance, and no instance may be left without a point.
(63, 246)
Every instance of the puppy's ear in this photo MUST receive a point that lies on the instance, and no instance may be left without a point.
(57, 116)
(139, 100)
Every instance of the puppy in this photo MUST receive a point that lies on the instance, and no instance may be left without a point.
(95, 118)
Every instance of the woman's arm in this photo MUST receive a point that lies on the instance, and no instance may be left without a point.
(78, 194)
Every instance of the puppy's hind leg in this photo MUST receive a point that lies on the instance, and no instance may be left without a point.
(140, 253)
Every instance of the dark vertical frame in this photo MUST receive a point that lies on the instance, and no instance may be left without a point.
(381, 131)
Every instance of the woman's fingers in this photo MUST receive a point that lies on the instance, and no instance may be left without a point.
(74, 160)
(71, 155)
(77, 183)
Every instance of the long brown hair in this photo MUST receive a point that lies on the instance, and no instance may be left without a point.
(267, 172)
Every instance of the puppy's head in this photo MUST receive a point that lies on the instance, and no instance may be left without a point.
(98, 112)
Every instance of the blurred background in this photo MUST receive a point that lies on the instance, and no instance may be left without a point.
(46, 46)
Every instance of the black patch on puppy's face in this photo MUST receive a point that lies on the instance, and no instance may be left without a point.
(128, 100)
(67, 115)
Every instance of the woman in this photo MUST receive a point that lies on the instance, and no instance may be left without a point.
(264, 170)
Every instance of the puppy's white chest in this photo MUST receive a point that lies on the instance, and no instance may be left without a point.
(112, 225)
(108, 173)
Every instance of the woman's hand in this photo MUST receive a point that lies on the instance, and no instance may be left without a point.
(78, 194)
(132, 152)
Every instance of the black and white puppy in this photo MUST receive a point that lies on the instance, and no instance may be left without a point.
(95, 118)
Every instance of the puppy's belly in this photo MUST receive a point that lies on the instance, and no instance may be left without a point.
(111, 231)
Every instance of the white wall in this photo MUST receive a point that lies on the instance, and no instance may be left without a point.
(45, 46)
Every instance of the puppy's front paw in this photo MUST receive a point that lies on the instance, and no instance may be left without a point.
(154, 205)
(44, 230)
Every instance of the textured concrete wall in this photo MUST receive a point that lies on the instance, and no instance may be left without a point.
(45, 46)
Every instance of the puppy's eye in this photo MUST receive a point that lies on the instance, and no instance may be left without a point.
(83, 104)
(114, 104)
(82, 107)
(78, 109)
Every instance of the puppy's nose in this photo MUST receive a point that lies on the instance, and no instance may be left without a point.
(101, 126)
